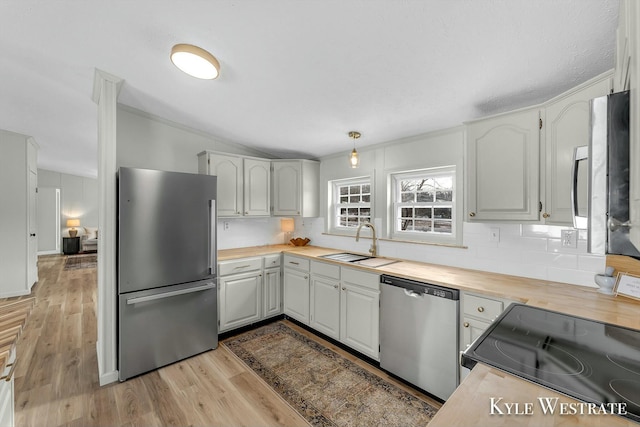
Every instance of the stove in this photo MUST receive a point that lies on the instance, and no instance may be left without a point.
(590, 361)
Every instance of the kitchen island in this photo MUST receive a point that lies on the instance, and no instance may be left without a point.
(470, 404)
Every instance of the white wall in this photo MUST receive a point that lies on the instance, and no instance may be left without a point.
(145, 141)
(78, 198)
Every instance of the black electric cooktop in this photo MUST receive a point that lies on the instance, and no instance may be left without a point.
(590, 361)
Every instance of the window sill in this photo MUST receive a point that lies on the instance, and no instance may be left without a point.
(413, 242)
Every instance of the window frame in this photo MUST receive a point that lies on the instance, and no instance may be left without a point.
(335, 205)
(395, 204)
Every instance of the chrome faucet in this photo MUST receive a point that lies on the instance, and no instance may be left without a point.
(374, 249)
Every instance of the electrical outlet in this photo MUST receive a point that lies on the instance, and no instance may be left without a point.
(225, 225)
(494, 234)
(569, 238)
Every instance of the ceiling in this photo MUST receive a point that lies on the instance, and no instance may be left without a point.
(296, 75)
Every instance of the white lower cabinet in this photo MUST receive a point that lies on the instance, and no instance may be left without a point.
(341, 302)
(478, 312)
(240, 297)
(359, 316)
(325, 298)
(296, 288)
(248, 292)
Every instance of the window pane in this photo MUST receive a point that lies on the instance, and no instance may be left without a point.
(354, 199)
(407, 197)
(424, 226)
(343, 211)
(442, 226)
(366, 198)
(353, 211)
(425, 196)
(406, 225)
(352, 222)
(444, 196)
(344, 191)
(365, 211)
(366, 188)
(344, 199)
(343, 221)
(442, 213)
(354, 189)
(423, 212)
(406, 212)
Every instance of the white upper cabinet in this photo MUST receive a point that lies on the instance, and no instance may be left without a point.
(566, 126)
(625, 44)
(503, 167)
(295, 187)
(257, 187)
(244, 183)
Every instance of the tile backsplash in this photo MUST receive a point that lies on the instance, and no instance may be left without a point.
(534, 251)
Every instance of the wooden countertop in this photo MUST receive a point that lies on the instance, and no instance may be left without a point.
(470, 403)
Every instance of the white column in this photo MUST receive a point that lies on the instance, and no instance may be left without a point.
(105, 94)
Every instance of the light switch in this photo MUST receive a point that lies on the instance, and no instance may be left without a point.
(494, 234)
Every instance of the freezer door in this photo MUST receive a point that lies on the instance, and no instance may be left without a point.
(159, 327)
(166, 228)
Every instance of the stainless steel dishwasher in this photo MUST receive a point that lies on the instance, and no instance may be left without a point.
(419, 333)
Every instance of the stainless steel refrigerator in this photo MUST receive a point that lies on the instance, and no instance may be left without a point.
(167, 295)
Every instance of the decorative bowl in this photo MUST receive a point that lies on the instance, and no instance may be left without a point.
(299, 241)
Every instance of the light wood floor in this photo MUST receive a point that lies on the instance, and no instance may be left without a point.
(56, 377)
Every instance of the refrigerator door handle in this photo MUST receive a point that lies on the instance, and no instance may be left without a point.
(212, 237)
(580, 153)
(170, 294)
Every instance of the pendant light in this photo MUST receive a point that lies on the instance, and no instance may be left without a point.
(354, 159)
(195, 61)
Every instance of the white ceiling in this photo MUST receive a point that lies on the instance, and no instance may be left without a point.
(296, 75)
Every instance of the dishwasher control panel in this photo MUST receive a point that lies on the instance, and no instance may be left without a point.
(421, 287)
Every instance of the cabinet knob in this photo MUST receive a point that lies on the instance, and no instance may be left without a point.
(466, 324)
(472, 214)
(246, 213)
(546, 215)
(480, 309)
(344, 289)
(306, 277)
(335, 286)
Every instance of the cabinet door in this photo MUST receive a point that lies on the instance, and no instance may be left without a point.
(229, 195)
(240, 297)
(296, 294)
(471, 330)
(566, 127)
(257, 187)
(325, 306)
(287, 189)
(359, 317)
(504, 167)
(272, 292)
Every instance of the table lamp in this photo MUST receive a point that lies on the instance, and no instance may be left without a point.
(73, 223)
(287, 225)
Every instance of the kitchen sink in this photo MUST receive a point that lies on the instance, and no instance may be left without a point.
(364, 260)
(346, 257)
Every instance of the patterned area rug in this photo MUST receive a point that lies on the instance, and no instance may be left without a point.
(81, 261)
(324, 387)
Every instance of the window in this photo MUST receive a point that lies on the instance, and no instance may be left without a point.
(424, 204)
(351, 203)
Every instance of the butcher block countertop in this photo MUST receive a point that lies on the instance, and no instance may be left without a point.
(470, 404)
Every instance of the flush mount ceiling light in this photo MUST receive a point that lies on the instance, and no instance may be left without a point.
(354, 160)
(195, 61)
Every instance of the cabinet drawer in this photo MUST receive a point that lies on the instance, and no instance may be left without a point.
(325, 269)
(239, 266)
(482, 308)
(297, 263)
(272, 261)
(361, 278)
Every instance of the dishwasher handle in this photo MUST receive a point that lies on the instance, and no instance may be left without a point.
(412, 294)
